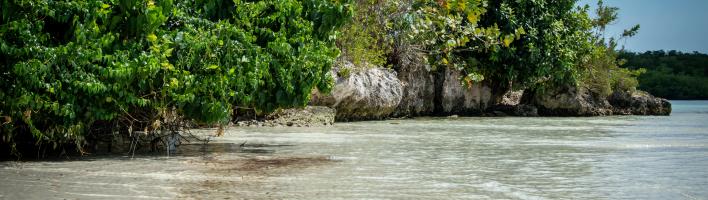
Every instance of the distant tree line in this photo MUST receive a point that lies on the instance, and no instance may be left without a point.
(672, 74)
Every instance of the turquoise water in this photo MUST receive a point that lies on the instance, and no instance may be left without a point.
(618, 157)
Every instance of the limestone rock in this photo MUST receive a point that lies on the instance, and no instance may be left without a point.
(574, 101)
(418, 83)
(570, 101)
(365, 94)
(638, 103)
(458, 98)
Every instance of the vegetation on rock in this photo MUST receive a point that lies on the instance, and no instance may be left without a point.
(602, 72)
(502, 43)
(74, 69)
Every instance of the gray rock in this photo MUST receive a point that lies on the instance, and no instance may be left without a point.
(638, 103)
(570, 101)
(376, 93)
(525, 111)
(366, 94)
(440, 92)
(418, 82)
(459, 98)
(575, 101)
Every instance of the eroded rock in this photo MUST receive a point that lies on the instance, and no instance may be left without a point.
(364, 94)
(577, 101)
(418, 83)
(638, 103)
(570, 101)
(459, 98)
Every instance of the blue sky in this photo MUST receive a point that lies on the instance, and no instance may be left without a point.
(665, 24)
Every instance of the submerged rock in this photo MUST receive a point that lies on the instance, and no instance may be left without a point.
(364, 94)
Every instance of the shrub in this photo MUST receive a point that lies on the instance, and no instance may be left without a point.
(365, 41)
(601, 72)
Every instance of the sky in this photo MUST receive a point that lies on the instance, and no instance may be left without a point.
(665, 24)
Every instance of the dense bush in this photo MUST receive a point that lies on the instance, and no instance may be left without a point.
(528, 44)
(555, 37)
(364, 40)
(385, 32)
(69, 67)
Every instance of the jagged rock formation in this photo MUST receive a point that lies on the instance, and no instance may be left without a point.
(638, 103)
(458, 98)
(574, 101)
(416, 90)
(569, 101)
(418, 87)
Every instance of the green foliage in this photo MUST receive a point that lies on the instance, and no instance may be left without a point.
(601, 72)
(344, 72)
(383, 29)
(603, 75)
(672, 74)
(68, 65)
(605, 16)
(505, 43)
(523, 43)
(364, 40)
(554, 40)
(520, 43)
(448, 30)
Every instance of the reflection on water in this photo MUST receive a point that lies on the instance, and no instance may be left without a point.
(633, 157)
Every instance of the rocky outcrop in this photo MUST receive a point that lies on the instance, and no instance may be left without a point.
(377, 93)
(456, 97)
(418, 87)
(569, 101)
(575, 101)
(638, 103)
(364, 94)
(436, 92)
(298, 117)
(416, 90)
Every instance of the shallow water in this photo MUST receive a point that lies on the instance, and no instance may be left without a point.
(619, 157)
